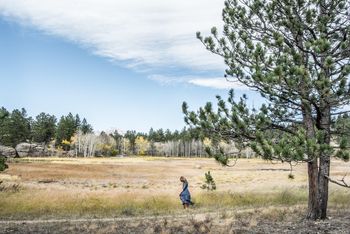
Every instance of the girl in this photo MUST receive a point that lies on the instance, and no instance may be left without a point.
(185, 195)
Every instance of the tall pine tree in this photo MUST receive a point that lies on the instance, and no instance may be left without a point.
(296, 54)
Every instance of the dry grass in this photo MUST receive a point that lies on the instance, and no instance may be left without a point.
(111, 187)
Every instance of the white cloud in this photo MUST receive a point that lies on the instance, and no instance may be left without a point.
(152, 33)
(169, 80)
(217, 83)
(211, 82)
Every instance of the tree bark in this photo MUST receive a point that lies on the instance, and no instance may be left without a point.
(323, 124)
(323, 185)
(324, 167)
(312, 165)
(313, 204)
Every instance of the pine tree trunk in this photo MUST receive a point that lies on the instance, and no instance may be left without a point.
(313, 205)
(312, 165)
(324, 124)
(324, 167)
(323, 185)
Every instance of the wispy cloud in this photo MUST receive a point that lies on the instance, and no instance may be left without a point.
(217, 83)
(169, 80)
(152, 33)
(208, 82)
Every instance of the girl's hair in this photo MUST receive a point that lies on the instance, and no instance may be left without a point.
(183, 179)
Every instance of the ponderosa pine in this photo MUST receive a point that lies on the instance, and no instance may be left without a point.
(296, 54)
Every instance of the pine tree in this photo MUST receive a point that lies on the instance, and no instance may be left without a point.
(44, 128)
(296, 54)
(15, 127)
(66, 128)
(3, 114)
(118, 140)
(85, 127)
(209, 182)
(131, 135)
(3, 165)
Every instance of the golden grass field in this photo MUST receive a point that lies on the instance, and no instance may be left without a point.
(112, 187)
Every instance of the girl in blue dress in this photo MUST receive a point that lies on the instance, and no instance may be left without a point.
(185, 195)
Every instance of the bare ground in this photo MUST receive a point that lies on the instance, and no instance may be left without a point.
(240, 222)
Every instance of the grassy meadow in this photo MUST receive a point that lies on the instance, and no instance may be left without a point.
(46, 188)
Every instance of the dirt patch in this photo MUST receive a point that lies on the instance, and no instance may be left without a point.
(242, 222)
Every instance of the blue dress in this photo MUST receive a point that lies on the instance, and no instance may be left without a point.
(185, 195)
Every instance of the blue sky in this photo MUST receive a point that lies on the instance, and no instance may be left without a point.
(57, 61)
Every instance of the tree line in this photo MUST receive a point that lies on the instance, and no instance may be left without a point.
(70, 133)
(17, 127)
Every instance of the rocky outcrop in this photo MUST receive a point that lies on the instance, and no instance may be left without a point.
(31, 150)
(7, 152)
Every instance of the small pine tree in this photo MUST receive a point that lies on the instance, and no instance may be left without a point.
(3, 165)
(209, 182)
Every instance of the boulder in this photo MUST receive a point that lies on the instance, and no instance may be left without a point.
(23, 149)
(7, 152)
(32, 150)
(71, 153)
(38, 150)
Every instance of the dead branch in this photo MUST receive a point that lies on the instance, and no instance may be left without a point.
(338, 182)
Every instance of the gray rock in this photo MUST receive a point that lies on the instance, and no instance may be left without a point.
(31, 150)
(7, 152)
(37, 150)
(71, 153)
(58, 153)
(23, 149)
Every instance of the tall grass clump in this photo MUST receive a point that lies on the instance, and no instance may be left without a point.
(250, 199)
(46, 204)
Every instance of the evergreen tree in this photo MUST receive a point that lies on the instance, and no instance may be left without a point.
(131, 136)
(296, 54)
(209, 182)
(44, 128)
(3, 165)
(5, 127)
(77, 121)
(118, 140)
(168, 136)
(342, 126)
(151, 135)
(14, 127)
(3, 114)
(160, 135)
(85, 127)
(66, 128)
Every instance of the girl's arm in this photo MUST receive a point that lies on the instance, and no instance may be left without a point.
(185, 186)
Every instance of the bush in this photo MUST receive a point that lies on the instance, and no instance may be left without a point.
(3, 165)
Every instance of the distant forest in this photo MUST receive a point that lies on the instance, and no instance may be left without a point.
(73, 133)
